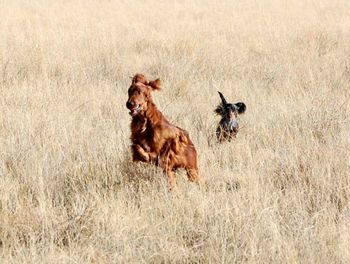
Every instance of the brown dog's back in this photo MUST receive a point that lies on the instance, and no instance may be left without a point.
(180, 152)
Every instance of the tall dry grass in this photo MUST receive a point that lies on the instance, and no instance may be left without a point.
(278, 194)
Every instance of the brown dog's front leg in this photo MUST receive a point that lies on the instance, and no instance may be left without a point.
(139, 154)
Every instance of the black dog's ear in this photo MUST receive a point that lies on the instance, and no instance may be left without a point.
(241, 107)
(223, 100)
(220, 110)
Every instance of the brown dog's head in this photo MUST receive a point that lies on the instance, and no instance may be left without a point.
(140, 94)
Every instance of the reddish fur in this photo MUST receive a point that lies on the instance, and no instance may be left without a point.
(142, 79)
(155, 139)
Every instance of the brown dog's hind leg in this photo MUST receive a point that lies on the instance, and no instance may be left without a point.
(171, 178)
(194, 176)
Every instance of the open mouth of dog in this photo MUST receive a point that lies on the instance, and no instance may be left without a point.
(135, 110)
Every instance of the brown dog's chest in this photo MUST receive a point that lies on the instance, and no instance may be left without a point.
(144, 135)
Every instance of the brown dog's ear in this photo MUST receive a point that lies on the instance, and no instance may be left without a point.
(139, 78)
(155, 84)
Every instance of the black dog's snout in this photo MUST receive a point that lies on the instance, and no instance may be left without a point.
(129, 104)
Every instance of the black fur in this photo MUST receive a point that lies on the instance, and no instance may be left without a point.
(241, 107)
(228, 126)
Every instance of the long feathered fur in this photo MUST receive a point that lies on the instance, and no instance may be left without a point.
(156, 140)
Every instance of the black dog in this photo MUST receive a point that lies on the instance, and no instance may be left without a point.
(228, 126)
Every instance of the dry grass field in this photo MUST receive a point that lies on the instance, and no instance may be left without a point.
(279, 193)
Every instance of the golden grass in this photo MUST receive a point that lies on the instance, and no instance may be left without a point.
(278, 194)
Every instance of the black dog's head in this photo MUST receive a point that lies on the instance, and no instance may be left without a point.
(229, 113)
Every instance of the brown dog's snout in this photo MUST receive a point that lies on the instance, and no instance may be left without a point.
(129, 104)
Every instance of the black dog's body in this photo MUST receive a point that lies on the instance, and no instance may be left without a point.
(228, 126)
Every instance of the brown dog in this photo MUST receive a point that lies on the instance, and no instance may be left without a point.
(154, 139)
